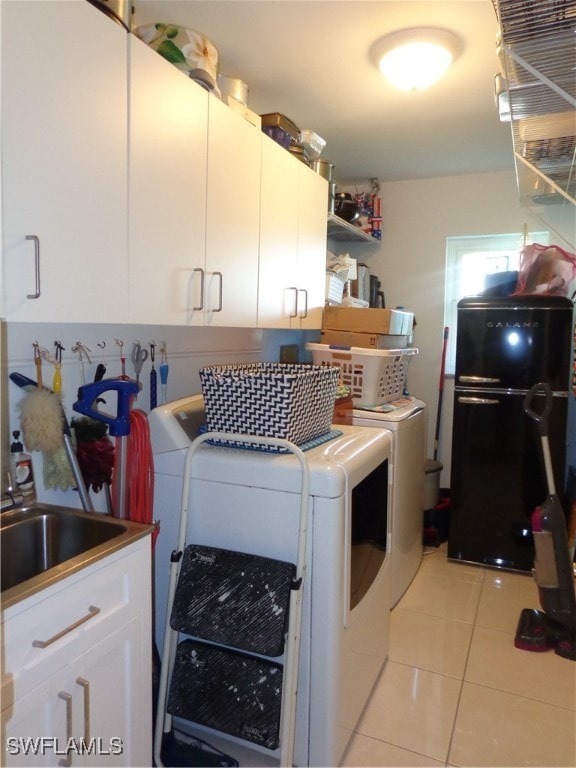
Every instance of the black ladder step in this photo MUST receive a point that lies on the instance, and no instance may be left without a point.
(228, 691)
(233, 599)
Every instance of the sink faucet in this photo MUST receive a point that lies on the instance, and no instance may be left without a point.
(11, 499)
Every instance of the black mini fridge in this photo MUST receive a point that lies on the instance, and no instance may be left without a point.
(504, 345)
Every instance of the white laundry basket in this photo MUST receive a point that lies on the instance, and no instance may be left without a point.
(375, 376)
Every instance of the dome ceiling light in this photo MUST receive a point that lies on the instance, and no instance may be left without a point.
(414, 59)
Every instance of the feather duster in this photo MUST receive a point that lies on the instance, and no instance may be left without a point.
(42, 420)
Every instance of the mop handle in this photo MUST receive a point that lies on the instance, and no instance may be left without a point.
(541, 421)
(119, 425)
(548, 465)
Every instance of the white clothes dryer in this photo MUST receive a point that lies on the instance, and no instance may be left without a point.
(248, 501)
(406, 420)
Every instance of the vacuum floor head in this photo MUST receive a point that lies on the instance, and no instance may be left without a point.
(537, 632)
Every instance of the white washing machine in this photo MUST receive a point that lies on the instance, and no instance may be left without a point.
(407, 423)
(249, 501)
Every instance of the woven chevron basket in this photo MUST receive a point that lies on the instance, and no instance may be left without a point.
(294, 402)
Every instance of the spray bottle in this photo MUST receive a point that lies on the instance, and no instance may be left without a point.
(21, 469)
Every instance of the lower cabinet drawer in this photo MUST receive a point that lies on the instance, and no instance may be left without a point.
(49, 629)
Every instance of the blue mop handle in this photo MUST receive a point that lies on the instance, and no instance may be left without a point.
(119, 425)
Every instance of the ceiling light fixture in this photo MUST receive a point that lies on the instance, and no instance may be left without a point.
(416, 58)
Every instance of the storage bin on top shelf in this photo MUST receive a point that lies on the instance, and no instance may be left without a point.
(289, 401)
(375, 376)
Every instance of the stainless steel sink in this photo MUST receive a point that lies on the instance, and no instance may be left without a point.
(36, 539)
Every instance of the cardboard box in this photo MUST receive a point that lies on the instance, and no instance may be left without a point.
(343, 411)
(366, 340)
(360, 320)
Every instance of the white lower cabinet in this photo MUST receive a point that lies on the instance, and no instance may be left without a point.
(78, 693)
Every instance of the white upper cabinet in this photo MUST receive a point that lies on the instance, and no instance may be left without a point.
(277, 288)
(194, 201)
(233, 218)
(64, 162)
(167, 211)
(293, 210)
(130, 194)
(312, 238)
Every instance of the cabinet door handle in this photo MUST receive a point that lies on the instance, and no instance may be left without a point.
(86, 690)
(36, 294)
(219, 274)
(67, 697)
(199, 269)
(295, 313)
(92, 611)
(305, 292)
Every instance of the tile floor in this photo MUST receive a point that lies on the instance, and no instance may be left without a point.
(455, 691)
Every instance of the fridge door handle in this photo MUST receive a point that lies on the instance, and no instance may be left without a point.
(478, 400)
(477, 380)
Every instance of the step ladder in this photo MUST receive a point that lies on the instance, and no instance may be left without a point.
(230, 608)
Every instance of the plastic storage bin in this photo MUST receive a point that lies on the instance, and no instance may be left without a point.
(375, 376)
(294, 402)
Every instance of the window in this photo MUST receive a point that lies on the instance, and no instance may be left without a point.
(468, 261)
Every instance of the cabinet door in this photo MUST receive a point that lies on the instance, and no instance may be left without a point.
(167, 209)
(91, 713)
(111, 706)
(64, 162)
(109, 646)
(312, 236)
(34, 726)
(277, 275)
(233, 218)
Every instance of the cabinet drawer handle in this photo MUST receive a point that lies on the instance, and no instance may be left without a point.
(92, 611)
(219, 274)
(478, 401)
(86, 690)
(67, 697)
(36, 294)
(199, 269)
(305, 292)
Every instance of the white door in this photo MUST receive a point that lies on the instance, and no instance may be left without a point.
(90, 713)
(312, 236)
(64, 163)
(233, 218)
(167, 210)
(277, 276)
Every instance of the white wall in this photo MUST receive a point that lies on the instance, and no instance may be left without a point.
(188, 350)
(418, 216)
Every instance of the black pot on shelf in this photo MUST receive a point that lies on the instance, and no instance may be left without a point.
(345, 207)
